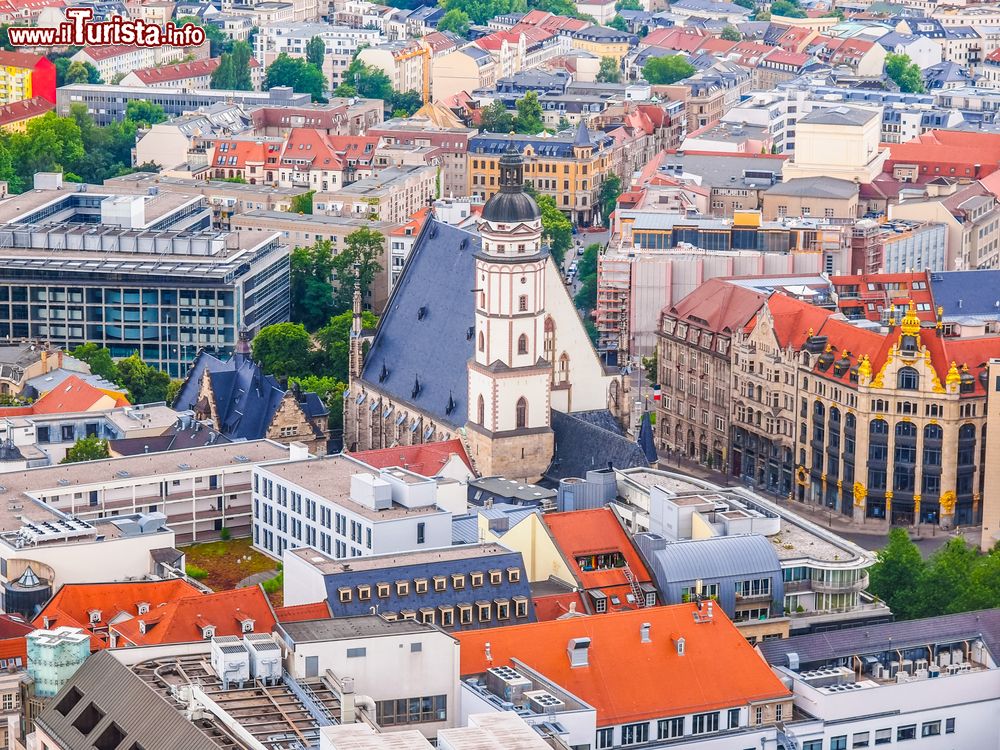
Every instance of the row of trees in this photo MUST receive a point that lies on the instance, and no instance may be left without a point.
(233, 72)
(370, 82)
(528, 118)
(75, 146)
(143, 383)
(956, 578)
(586, 296)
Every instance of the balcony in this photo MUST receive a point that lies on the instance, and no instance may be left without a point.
(748, 598)
(823, 587)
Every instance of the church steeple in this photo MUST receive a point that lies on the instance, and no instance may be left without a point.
(355, 354)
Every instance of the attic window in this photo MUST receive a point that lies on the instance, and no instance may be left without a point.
(142, 608)
(208, 632)
(440, 583)
(344, 594)
(496, 577)
(69, 701)
(247, 625)
(110, 738)
(95, 616)
(89, 718)
(513, 575)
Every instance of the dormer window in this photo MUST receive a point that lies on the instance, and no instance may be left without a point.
(142, 627)
(208, 632)
(142, 607)
(247, 625)
(95, 616)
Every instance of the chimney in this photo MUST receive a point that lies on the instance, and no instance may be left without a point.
(59, 357)
(644, 633)
(579, 652)
(678, 643)
(347, 712)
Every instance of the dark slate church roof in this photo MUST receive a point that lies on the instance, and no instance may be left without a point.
(590, 440)
(432, 347)
(245, 397)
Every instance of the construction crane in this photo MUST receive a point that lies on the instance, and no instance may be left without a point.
(422, 49)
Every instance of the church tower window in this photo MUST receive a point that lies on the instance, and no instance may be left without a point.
(482, 342)
(522, 303)
(521, 415)
(481, 407)
(522, 344)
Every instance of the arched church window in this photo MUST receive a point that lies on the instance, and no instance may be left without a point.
(521, 415)
(522, 344)
(562, 373)
(481, 411)
(482, 342)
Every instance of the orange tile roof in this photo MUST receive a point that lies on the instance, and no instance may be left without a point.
(246, 153)
(590, 532)
(793, 319)
(72, 605)
(71, 395)
(19, 59)
(182, 620)
(554, 606)
(627, 680)
(303, 612)
(425, 459)
(413, 226)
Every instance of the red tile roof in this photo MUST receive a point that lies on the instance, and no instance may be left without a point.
(582, 534)
(246, 152)
(183, 620)
(719, 306)
(629, 681)
(554, 606)
(71, 395)
(25, 109)
(425, 459)
(74, 602)
(180, 71)
(19, 59)
(14, 626)
(303, 612)
(947, 148)
(413, 226)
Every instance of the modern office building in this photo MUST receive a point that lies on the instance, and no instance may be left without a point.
(134, 273)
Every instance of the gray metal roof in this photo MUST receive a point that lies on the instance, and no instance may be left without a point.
(742, 555)
(815, 187)
(834, 644)
(145, 717)
(839, 116)
(334, 629)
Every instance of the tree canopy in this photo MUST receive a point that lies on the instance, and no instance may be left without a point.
(144, 113)
(611, 188)
(316, 52)
(529, 114)
(456, 21)
(90, 448)
(145, 384)
(218, 42)
(787, 8)
(609, 71)
(359, 259)
(731, 34)
(303, 77)
(311, 290)
(283, 350)
(302, 204)
(494, 118)
(667, 70)
(233, 71)
(904, 72)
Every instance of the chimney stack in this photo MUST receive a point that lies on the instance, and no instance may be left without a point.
(644, 633)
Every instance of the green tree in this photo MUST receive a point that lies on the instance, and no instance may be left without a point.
(628, 5)
(144, 113)
(586, 296)
(302, 204)
(359, 259)
(334, 341)
(587, 265)
(8, 171)
(618, 23)
(145, 384)
(316, 52)
(896, 575)
(218, 42)
(99, 360)
(173, 389)
(50, 144)
(748, 4)
(406, 102)
(481, 11)
(303, 77)
(529, 114)
(311, 81)
(311, 289)
(904, 72)
(68, 71)
(945, 584)
(456, 21)
(91, 448)
(609, 71)
(650, 366)
(368, 81)
(224, 75)
(330, 391)
(667, 70)
(557, 230)
(764, 15)
(494, 118)
(731, 34)
(283, 350)
(611, 188)
(787, 8)
(233, 72)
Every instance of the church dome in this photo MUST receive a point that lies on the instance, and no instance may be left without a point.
(511, 205)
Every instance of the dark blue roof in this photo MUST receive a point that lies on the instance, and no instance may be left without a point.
(433, 347)
(559, 146)
(967, 292)
(584, 442)
(246, 398)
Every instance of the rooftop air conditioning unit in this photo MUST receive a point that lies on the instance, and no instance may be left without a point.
(508, 684)
(542, 701)
(265, 657)
(230, 661)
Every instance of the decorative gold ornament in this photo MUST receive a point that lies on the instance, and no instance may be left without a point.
(948, 503)
(860, 493)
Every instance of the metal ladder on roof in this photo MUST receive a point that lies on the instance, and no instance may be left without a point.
(640, 597)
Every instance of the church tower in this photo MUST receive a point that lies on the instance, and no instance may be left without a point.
(509, 426)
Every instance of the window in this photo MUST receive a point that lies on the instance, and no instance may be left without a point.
(364, 593)
(458, 580)
(465, 614)
(421, 537)
(447, 617)
(110, 738)
(909, 732)
(503, 609)
(860, 740)
(513, 575)
(356, 653)
(496, 577)
(69, 701)
(484, 610)
(344, 593)
(907, 379)
(440, 583)
(89, 718)
(949, 726)
(838, 743)
(702, 723)
(420, 585)
(520, 606)
(402, 588)
(605, 738)
(635, 734)
(669, 728)
(521, 414)
(733, 718)
(481, 411)
(930, 729)
(813, 745)
(411, 710)
(522, 303)
(883, 736)
(382, 589)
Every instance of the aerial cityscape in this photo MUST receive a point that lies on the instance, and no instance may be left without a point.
(499, 374)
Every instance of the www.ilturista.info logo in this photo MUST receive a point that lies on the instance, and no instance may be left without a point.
(80, 31)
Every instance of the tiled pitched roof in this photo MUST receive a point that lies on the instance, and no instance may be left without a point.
(719, 306)
(624, 679)
(25, 109)
(425, 459)
(581, 533)
(71, 395)
(303, 612)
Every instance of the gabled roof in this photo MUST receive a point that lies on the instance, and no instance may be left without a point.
(581, 533)
(183, 620)
(590, 440)
(629, 681)
(794, 319)
(303, 612)
(426, 459)
(74, 602)
(73, 394)
(815, 187)
(36, 106)
(719, 306)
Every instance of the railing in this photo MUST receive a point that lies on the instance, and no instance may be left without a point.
(825, 587)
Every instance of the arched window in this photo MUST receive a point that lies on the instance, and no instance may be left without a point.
(907, 379)
(481, 411)
(482, 342)
(522, 344)
(522, 303)
(549, 341)
(521, 415)
(562, 374)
